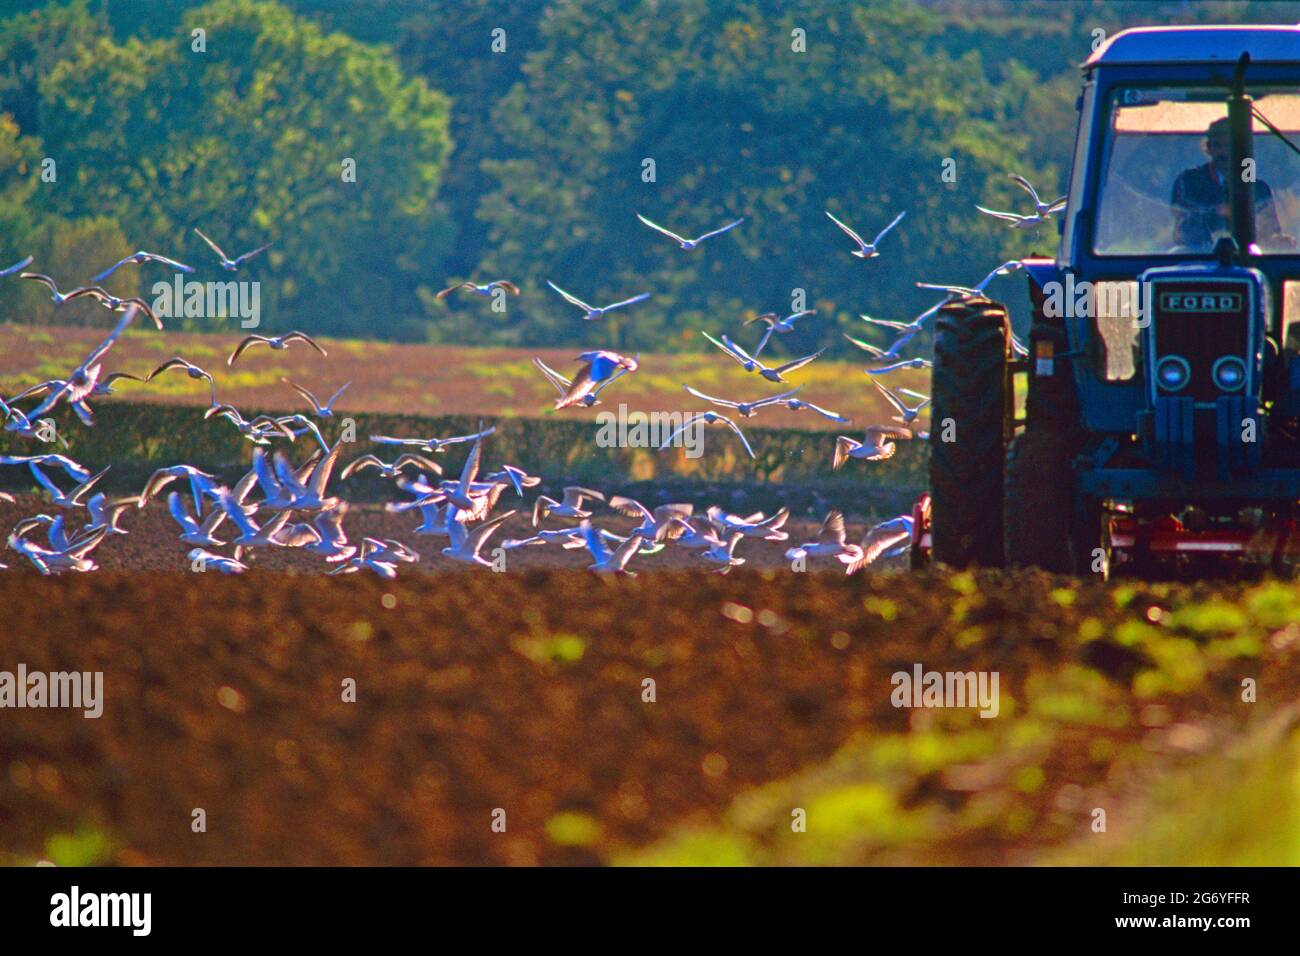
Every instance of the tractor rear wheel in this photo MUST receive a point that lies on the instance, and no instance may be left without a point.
(1038, 507)
(970, 423)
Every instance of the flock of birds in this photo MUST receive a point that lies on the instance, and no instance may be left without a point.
(280, 503)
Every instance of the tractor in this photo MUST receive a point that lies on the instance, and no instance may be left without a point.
(1153, 428)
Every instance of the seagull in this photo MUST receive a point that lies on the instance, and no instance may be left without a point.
(956, 292)
(57, 297)
(906, 414)
(106, 515)
(688, 244)
(776, 324)
(832, 542)
(605, 560)
(798, 404)
(70, 468)
(517, 477)
(465, 545)
(744, 409)
(689, 536)
(206, 559)
(709, 418)
(723, 552)
(483, 290)
(570, 507)
(230, 265)
(750, 364)
(275, 341)
(905, 363)
(1042, 210)
(562, 384)
(72, 499)
(656, 525)
(192, 532)
(114, 303)
(251, 535)
(386, 470)
(889, 539)
(592, 313)
(259, 430)
(867, 250)
(192, 370)
(17, 266)
(81, 382)
(71, 556)
(568, 538)
(432, 445)
(321, 411)
(324, 536)
(755, 526)
(460, 494)
(309, 495)
(138, 258)
(601, 367)
(878, 444)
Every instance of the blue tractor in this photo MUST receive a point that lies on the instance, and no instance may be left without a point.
(1154, 426)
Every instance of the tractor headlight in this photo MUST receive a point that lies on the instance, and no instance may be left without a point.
(1229, 373)
(1173, 373)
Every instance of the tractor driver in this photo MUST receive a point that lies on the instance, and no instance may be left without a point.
(1200, 197)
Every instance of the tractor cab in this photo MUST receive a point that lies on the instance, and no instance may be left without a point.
(1160, 429)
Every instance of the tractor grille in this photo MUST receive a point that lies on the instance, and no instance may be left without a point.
(1201, 323)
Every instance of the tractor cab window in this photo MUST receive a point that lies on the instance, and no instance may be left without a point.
(1165, 169)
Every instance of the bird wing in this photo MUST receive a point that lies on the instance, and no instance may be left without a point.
(710, 398)
(632, 301)
(1024, 184)
(774, 399)
(1004, 216)
(730, 351)
(303, 337)
(658, 228)
(476, 540)
(851, 234)
(595, 543)
(631, 507)
(885, 231)
(316, 407)
(832, 530)
(736, 428)
(797, 363)
(244, 344)
(843, 445)
(717, 232)
(571, 299)
(215, 248)
(560, 383)
(252, 252)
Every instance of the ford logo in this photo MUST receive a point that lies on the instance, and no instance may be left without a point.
(1200, 301)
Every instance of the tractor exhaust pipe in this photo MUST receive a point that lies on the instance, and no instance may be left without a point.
(1241, 181)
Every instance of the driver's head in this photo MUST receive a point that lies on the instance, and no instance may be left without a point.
(1218, 140)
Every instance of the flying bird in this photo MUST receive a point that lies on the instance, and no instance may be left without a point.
(709, 418)
(276, 342)
(138, 258)
(1042, 210)
(867, 250)
(592, 312)
(190, 369)
(877, 444)
(230, 265)
(482, 290)
(751, 364)
(600, 367)
(744, 409)
(689, 243)
(321, 411)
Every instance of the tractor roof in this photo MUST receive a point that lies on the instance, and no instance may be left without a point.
(1199, 44)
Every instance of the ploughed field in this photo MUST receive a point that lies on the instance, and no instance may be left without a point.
(772, 735)
(431, 380)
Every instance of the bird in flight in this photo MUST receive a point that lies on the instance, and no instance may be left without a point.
(592, 312)
(689, 243)
(275, 341)
(137, 258)
(601, 366)
(230, 265)
(866, 250)
(483, 290)
(1042, 210)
